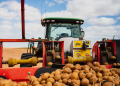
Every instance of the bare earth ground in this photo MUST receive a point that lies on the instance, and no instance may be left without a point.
(16, 54)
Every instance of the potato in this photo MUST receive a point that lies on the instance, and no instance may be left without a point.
(67, 70)
(65, 76)
(57, 77)
(74, 75)
(110, 74)
(82, 75)
(93, 72)
(70, 65)
(43, 82)
(90, 64)
(49, 84)
(96, 69)
(106, 63)
(116, 75)
(29, 85)
(69, 81)
(57, 72)
(110, 79)
(35, 83)
(44, 77)
(113, 72)
(50, 80)
(51, 76)
(97, 84)
(39, 79)
(62, 84)
(99, 75)
(76, 71)
(100, 69)
(85, 66)
(77, 82)
(93, 80)
(116, 81)
(106, 74)
(57, 84)
(47, 74)
(64, 81)
(100, 80)
(97, 64)
(32, 78)
(108, 84)
(81, 71)
(53, 73)
(102, 66)
(105, 77)
(60, 81)
(77, 67)
(22, 83)
(114, 64)
(84, 82)
(38, 85)
(86, 70)
(105, 70)
(89, 75)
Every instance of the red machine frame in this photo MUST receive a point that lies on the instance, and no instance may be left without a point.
(21, 74)
(96, 50)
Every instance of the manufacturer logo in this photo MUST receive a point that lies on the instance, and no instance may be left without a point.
(87, 42)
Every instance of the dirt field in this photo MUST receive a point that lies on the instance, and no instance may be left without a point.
(16, 54)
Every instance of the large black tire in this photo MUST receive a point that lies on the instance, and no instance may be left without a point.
(26, 56)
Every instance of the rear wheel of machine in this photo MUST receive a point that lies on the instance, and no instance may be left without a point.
(26, 56)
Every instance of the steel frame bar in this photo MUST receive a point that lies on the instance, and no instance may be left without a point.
(1, 51)
(23, 19)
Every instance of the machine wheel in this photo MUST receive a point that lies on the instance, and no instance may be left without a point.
(3, 77)
(26, 56)
(43, 70)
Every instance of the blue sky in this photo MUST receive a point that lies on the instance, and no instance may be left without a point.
(102, 17)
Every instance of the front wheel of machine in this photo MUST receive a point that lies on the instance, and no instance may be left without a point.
(26, 56)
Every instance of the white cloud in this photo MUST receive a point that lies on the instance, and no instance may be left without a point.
(5, 22)
(46, 2)
(88, 9)
(31, 29)
(34, 30)
(101, 21)
(118, 17)
(60, 1)
(31, 13)
(17, 25)
(10, 10)
(51, 4)
(5, 31)
(5, 27)
(102, 31)
(96, 33)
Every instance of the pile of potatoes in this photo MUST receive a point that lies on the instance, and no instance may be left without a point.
(74, 75)
(116, 64)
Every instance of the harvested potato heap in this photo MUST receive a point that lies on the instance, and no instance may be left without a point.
(70, 75)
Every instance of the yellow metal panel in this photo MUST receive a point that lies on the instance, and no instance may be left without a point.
(81, 53)
(78, 44)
